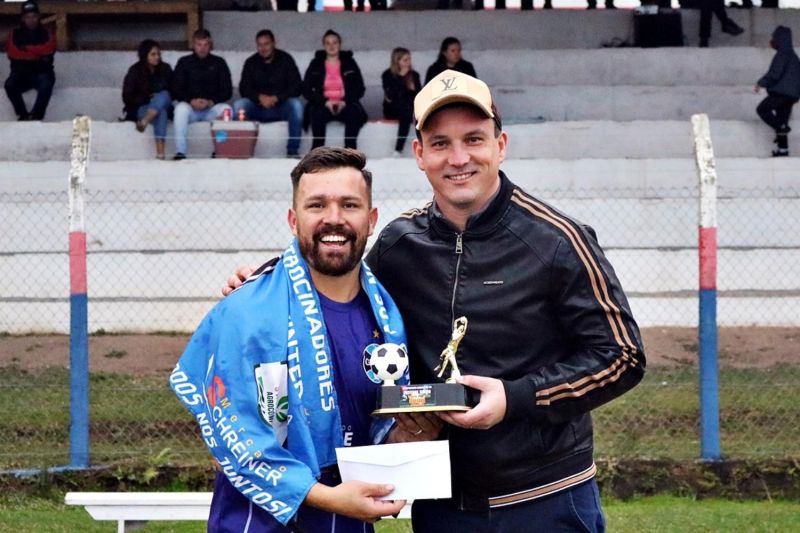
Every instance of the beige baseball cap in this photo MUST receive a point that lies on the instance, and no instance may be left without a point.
(449, 87)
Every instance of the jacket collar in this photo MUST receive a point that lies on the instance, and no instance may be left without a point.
(482, 222)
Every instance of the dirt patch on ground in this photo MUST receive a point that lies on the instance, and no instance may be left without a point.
(123, 354)
(144, 354)
(750, 347)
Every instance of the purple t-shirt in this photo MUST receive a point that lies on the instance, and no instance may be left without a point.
(351, 328)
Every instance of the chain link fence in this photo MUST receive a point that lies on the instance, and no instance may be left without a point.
(157, 260)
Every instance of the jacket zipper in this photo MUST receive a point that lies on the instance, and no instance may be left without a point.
(459, 251)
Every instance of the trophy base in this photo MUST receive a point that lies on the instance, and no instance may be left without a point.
(425, 398)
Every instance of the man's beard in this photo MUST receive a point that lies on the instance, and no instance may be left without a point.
(333, 265)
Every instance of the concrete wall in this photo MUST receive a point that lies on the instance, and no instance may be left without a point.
(517, 104)
(112, 141)
(424, 30)
(163, 236)
(564, 85)
(576, 178)
(663, 67)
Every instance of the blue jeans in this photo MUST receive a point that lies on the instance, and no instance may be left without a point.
(571, 510)
(290, 110)
(185, 115)
(161, 102)
(22, 82)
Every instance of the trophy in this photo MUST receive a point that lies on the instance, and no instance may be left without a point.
(447, 396)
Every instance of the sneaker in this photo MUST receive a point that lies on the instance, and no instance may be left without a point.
(141, 125)
(397, 154)
(292, 155)
(730, 27)
(780, 152)
(179, 156)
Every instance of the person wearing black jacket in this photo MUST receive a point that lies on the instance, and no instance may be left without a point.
(400, 86)
(550, 337)
(270, 88)
(450, 58)
(201, 84)
(145, 93)
(30, 48)
(333, 87)
(782, 82)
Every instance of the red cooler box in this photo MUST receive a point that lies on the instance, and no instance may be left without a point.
(234, 140)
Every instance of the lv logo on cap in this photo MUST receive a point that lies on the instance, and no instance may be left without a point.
(449, 85)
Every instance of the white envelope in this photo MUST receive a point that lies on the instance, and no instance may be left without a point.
(418, 470)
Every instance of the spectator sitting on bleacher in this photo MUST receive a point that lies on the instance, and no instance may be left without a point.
(270, 88)
(145, 93)
(450, 58)
(201, 85)
(30, 49)
(400, 86)
(333, 86)
(782, 82)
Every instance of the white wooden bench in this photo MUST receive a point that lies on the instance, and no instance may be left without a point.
(138, 507)
(135, 508)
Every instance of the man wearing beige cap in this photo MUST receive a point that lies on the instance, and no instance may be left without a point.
(550, 335)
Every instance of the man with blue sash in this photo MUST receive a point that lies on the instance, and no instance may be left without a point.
(275, 374)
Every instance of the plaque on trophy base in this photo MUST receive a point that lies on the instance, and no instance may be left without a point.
(447, 396)
(428, 397)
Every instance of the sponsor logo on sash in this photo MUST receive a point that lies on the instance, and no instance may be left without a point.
(273, 397)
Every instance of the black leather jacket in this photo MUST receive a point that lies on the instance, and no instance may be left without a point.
(547, 316)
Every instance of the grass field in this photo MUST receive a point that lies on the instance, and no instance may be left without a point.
(140, 417)
(656, 514)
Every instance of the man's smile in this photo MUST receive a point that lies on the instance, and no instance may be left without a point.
(462, 176)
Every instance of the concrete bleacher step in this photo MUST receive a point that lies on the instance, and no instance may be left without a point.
(516, 103)
(645, 139)
(524, 66)
(612, 84)
(641, 139)
(626, 102)
(563, 177)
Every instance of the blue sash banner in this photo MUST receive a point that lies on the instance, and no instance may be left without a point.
(258, 376)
